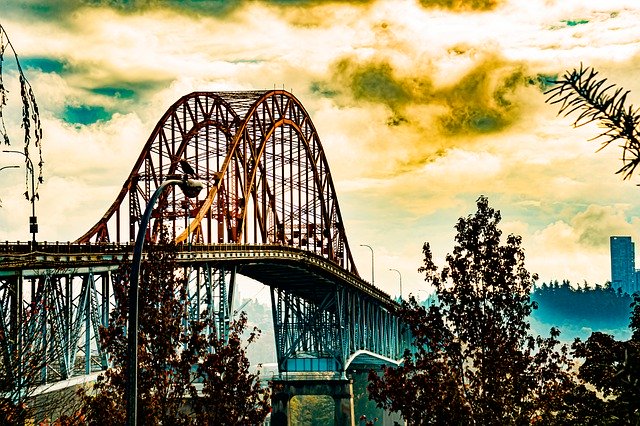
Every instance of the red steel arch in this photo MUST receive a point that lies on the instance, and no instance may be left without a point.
(267, 179)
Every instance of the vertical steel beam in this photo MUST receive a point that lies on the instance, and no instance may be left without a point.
(87, 324)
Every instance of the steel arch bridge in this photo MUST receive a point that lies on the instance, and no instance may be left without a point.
(269, 212)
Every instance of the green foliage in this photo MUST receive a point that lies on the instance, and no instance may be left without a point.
(598, 308)
(311, 410)
(363, 406)
(612, 367)
(173, 356)
(609, 366)
(473, 360)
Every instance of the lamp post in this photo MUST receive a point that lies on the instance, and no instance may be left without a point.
(33, 220)
(190, 188)
(372, 263)
(399, 276)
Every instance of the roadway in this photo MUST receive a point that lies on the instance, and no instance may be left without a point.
(303, 273)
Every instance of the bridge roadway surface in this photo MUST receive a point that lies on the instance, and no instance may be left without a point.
(303, 273)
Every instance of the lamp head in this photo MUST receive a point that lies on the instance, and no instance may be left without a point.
(191, 187)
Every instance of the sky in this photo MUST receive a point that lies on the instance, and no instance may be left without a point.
(421, 106)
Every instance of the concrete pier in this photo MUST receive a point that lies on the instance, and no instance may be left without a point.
(341, 390)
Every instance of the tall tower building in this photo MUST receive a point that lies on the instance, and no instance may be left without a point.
(623, 267)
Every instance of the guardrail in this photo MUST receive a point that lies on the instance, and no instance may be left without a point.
(18, 254)
(58, 247)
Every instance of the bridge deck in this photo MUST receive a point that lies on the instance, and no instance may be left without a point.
(287, 267)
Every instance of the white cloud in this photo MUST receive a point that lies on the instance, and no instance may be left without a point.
(543, 174)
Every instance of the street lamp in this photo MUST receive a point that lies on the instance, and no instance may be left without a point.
(190, 188)
(372, 264)
(399, 276)
(33, 220)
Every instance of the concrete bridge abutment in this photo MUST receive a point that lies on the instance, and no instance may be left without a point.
(341, 390)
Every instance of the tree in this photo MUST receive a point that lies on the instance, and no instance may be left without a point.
(232, 395)
(173, 356)
(610, 366)
(21, 366)
(25, 353)
(312, 410)
(473, 360)
(32, 130)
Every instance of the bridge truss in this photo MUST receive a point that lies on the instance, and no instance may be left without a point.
(269, 212)
(266, 176)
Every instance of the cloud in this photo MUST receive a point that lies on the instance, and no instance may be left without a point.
(428, 117)
(63, 10)
(484, 100)
(481, 101)
(42, 64)
(596, 224)
(420, 106)
(49, 9)
(577, 248)
(462, 5)
(374, 81)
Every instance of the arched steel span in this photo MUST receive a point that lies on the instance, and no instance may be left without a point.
(266, 176)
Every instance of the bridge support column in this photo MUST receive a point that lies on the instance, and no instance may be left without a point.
(280, 407)
(340, 390)
(363, 405)
(343, 414)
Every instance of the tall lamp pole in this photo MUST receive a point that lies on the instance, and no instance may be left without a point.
(191, 189)
(372, 263)
(33, 220)
(399, 276)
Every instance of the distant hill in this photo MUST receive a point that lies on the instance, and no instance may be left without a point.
(577, 311)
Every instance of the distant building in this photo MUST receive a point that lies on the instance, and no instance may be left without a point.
(623, 264)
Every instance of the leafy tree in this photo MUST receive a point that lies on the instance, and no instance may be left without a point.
(311, 410)
(598, 307)
(610, 366)
(363, 407)
(173, 356)
(613, 368)
(473, 359)
(232, 395)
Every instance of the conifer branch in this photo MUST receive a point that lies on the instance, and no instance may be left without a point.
(581, 91)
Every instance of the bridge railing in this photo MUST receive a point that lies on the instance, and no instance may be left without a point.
(58, 247)
(13, 254)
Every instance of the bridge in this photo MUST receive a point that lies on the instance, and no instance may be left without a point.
(269, 211)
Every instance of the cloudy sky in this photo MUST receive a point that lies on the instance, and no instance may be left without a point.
(422, 106)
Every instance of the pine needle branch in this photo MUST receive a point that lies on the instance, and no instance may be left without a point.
(594, 100)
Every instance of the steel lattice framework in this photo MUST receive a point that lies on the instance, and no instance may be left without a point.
(269, 212)
(267, 177)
